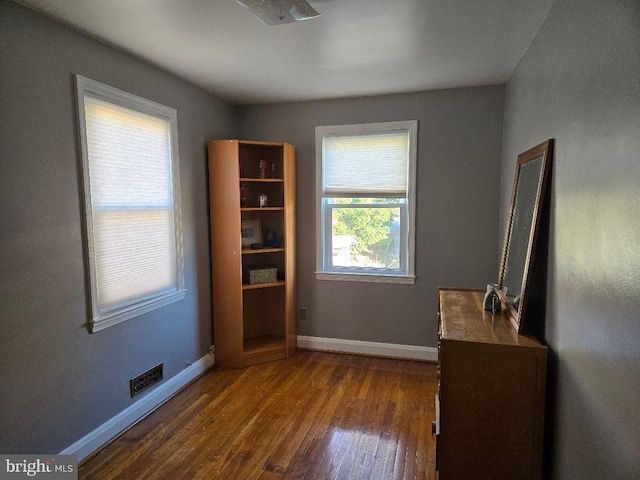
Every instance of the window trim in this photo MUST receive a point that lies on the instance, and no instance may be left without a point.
(359, 274)
(102, 318)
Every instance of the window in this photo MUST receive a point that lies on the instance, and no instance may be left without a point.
(132, 202)
(366, 196)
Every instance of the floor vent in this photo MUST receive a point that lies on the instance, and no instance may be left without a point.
(145, 380)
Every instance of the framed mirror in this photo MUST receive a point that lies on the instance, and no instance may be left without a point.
(522, 228)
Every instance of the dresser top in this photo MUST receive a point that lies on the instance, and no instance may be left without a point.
(463, 319)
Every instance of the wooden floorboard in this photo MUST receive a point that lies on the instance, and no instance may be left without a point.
(313, 416)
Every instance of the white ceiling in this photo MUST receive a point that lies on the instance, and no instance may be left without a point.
(356, 47)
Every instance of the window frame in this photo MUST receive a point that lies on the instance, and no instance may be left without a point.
(103, 317)
(324, 268)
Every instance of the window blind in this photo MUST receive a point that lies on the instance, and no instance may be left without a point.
(366, 165)
(132, 205)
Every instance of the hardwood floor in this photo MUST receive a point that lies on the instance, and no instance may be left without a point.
(313, 416)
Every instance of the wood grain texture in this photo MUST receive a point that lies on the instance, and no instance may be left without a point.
(241, 314)
(464, 319)
(314, 415)
(291, 304)
(226, 271)
(492, 393)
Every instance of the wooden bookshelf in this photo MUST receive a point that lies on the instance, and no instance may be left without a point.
(252, 323)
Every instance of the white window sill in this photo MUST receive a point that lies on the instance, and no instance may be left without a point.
(372, 278)
(135, 310)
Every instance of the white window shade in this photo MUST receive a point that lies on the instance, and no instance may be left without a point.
(131, 203)
(366, 165)
(129, 155)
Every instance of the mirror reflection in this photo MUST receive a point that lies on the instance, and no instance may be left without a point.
(520, 236)
(518, 245)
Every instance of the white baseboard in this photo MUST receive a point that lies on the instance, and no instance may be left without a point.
(376, 349)
(130, 415)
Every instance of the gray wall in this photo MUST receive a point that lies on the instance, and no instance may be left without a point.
(457, 243)
(59, 382)
(580, 84)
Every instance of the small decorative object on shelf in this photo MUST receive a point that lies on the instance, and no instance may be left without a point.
(274, 170)
(491, 302)
(262, 275)
(251, 232)
(243, 195)
(263, 201)
(262, 165)
(269, 237)
(271, 240)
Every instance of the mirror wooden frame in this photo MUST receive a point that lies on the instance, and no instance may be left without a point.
(514, 305)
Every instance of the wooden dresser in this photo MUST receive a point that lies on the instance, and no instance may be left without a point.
(490, 406)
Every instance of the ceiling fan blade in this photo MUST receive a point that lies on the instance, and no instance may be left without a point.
(301, 10)
(279, 12)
